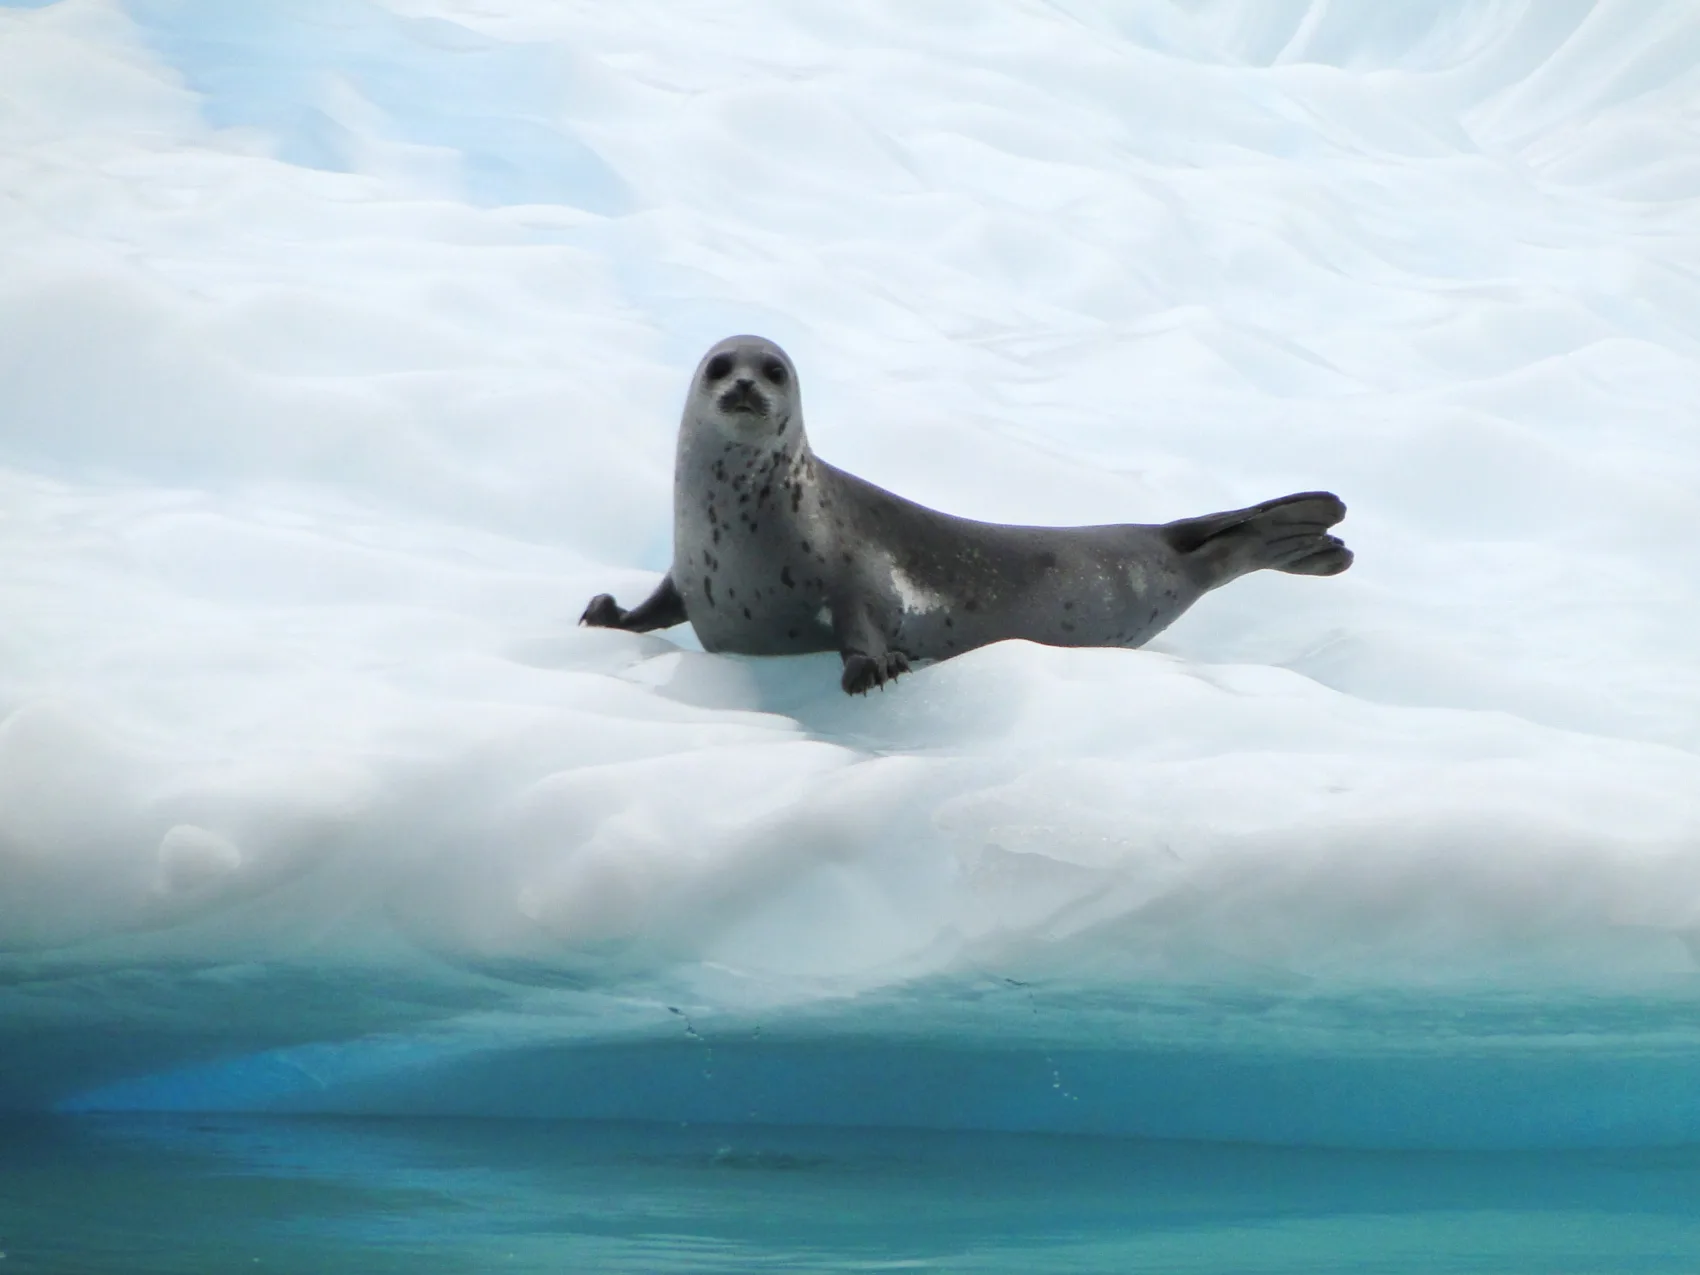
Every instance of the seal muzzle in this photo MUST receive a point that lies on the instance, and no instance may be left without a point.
(743, 398)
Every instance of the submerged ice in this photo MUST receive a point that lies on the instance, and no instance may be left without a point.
(341, 351)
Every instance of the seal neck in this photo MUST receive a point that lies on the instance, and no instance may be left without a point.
(706, 444)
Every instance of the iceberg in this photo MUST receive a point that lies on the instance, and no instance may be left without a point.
(341, 351)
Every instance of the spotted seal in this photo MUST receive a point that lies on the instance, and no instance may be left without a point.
(776, 552)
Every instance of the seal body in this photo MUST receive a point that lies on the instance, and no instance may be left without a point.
(777, 552)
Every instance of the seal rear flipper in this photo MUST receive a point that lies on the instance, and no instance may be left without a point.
(660, 610)
(1330, 558)
(1289, 533)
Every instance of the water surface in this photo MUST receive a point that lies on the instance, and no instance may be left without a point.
(217, 1194)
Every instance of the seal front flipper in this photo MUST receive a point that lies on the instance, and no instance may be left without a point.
(660, 610)
(864, 672)
(868, 661)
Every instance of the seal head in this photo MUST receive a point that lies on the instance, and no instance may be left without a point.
(745, 390)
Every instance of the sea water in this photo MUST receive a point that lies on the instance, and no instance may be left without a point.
(185, 1195)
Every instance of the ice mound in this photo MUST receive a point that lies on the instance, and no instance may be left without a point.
(341, 350)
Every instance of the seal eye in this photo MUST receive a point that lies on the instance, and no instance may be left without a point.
(774, 371)
(717, 367)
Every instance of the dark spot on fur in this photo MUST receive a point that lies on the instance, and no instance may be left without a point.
(949, 623)
(951, 643)
(744, 499)
(790, 633)
(1068, 606)
(1067, 627)
(765, 492)
(796, 498)
(746, 613)
(785, 578)
(848, 558)
(1047, 560)
(708, 589)
(805, 545)
(752, 528)
(972, 604)
(717, 535)
(731, 592)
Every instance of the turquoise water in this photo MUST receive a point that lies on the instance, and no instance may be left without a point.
(141, 1194)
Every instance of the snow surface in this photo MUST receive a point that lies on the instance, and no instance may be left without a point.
(341, 350)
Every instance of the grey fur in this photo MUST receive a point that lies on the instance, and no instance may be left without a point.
(777, 552)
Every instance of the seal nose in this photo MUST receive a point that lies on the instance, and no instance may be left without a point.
(744, 397)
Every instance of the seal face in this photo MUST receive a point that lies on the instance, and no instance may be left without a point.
(777, 552)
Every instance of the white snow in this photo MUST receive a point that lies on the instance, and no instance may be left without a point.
(342, 345)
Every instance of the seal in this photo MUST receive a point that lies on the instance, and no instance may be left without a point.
(776, 552)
